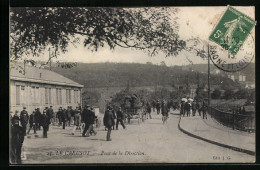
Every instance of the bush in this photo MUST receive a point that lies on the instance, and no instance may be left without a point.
(216, 94)
(228, 94)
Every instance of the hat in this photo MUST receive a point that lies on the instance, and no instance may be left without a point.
(24, 107)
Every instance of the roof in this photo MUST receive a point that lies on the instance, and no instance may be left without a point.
(37, 75)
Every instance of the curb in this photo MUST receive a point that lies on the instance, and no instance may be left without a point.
(216, 143)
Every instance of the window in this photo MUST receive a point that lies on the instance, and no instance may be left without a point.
(58, 96)
(76, 96)
(18, 95)
(68, 96)
(47, 95)
(35, 95)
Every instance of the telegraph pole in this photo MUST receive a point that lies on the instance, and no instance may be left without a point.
(208, 77)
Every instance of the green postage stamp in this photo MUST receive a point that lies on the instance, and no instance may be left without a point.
(232, 30)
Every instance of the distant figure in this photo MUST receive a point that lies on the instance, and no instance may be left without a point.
(164, 112)
(77, 121)
(24, 117)
(45, 122)
(187, 108)
(63, 118)
(109, 122)
(59, 116)
(158, 107)
(68, 113)
(32, 122)
(193, 108)
(119, 118)
(17, 139)
(37, 118)
(114, 116)
(204, 110)
(198, 107)
(50, 114)
(148, 110)
(182, 111)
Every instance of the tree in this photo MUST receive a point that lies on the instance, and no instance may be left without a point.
(216, 94)
(32, 30)
(228, 94)
(241, 94)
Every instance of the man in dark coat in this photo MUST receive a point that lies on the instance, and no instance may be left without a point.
(187, 108)
(204, 110)
(119, 118)
(45, 121)
(24, 117)
(164, 112)
(37, 118)
(50, 114)
(17, 138)
(193, 108)
(59, 116)
(63, 118)
(148, 110)
(109, 122)
(68, 112)
(88, 119)
(158, 107)
(32, 122)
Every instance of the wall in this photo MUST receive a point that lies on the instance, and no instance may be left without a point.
(27, 96)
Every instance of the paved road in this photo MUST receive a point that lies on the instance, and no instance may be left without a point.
(149, 142)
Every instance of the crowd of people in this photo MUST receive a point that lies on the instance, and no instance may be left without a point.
(191, 107)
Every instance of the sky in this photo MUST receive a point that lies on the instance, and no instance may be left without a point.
(193, 22)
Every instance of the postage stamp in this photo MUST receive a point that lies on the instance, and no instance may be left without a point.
(232, 30)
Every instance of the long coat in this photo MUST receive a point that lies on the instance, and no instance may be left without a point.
(44, 120)
(109, 119)
(24, 117)
(88, 117)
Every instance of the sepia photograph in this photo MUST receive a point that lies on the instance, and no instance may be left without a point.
(132, 85)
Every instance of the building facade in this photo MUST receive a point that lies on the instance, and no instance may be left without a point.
(40, 88)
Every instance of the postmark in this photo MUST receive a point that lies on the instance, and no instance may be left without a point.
(235, 42)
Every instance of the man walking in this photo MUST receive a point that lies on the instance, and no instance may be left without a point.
(158, 107)
(37, 118)
(50, 114)
(204, 109)
(88, 117)
(109, 122)
(148, 110)
(24, 117)
(164, 112)
(63, 118)
(45, 121)
(32, 122)
(120, 118)
(187, 108)
(68, 113)
(77, 121)
(17, 139)
(59, 116)
(193, 107)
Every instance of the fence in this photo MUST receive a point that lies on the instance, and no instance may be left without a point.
(234, 120)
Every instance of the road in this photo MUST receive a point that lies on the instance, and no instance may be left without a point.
(149, 142)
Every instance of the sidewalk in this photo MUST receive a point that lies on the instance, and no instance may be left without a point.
(211, 130)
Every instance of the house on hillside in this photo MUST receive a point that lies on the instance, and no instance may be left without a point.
(40, 88)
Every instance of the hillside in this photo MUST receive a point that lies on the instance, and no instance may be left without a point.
(120, 74)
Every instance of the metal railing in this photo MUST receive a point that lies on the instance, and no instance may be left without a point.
(243, 122)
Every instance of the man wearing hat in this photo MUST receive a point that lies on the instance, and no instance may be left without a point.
(24, 117)
(45, 121)
(37, 118)
(109, 121)
(50, 114)
(59, 115)
(119, 118)
(88, 117)
(32, 122)
(17, 138)
(63, 118)
(164, 112)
